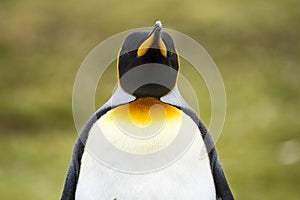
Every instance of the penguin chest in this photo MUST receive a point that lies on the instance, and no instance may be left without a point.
(186, 177)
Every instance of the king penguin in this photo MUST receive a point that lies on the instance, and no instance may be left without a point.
(146, 115)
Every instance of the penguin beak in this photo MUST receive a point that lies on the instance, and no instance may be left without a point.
(154, 39)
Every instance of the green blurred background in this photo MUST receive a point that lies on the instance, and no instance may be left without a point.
(255, 44)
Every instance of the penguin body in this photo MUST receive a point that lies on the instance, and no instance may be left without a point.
(145, 120)
(189, 173)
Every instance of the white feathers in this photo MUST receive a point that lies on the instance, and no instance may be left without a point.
(187, 178)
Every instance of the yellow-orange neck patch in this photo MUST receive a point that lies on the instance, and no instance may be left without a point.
(143, 126)
(142, 112)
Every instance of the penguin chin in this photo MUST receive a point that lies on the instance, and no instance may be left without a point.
(151, 90)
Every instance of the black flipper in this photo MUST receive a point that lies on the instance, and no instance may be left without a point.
(118, 98)
(74, 168)
(73, 172)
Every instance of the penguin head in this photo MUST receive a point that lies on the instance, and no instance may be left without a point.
(148, 63)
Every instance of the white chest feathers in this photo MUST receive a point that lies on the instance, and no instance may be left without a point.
(189, 177)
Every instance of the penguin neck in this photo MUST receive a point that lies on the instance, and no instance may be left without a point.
(144, 111)
(121, 97)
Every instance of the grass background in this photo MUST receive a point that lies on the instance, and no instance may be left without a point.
(255, 44)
